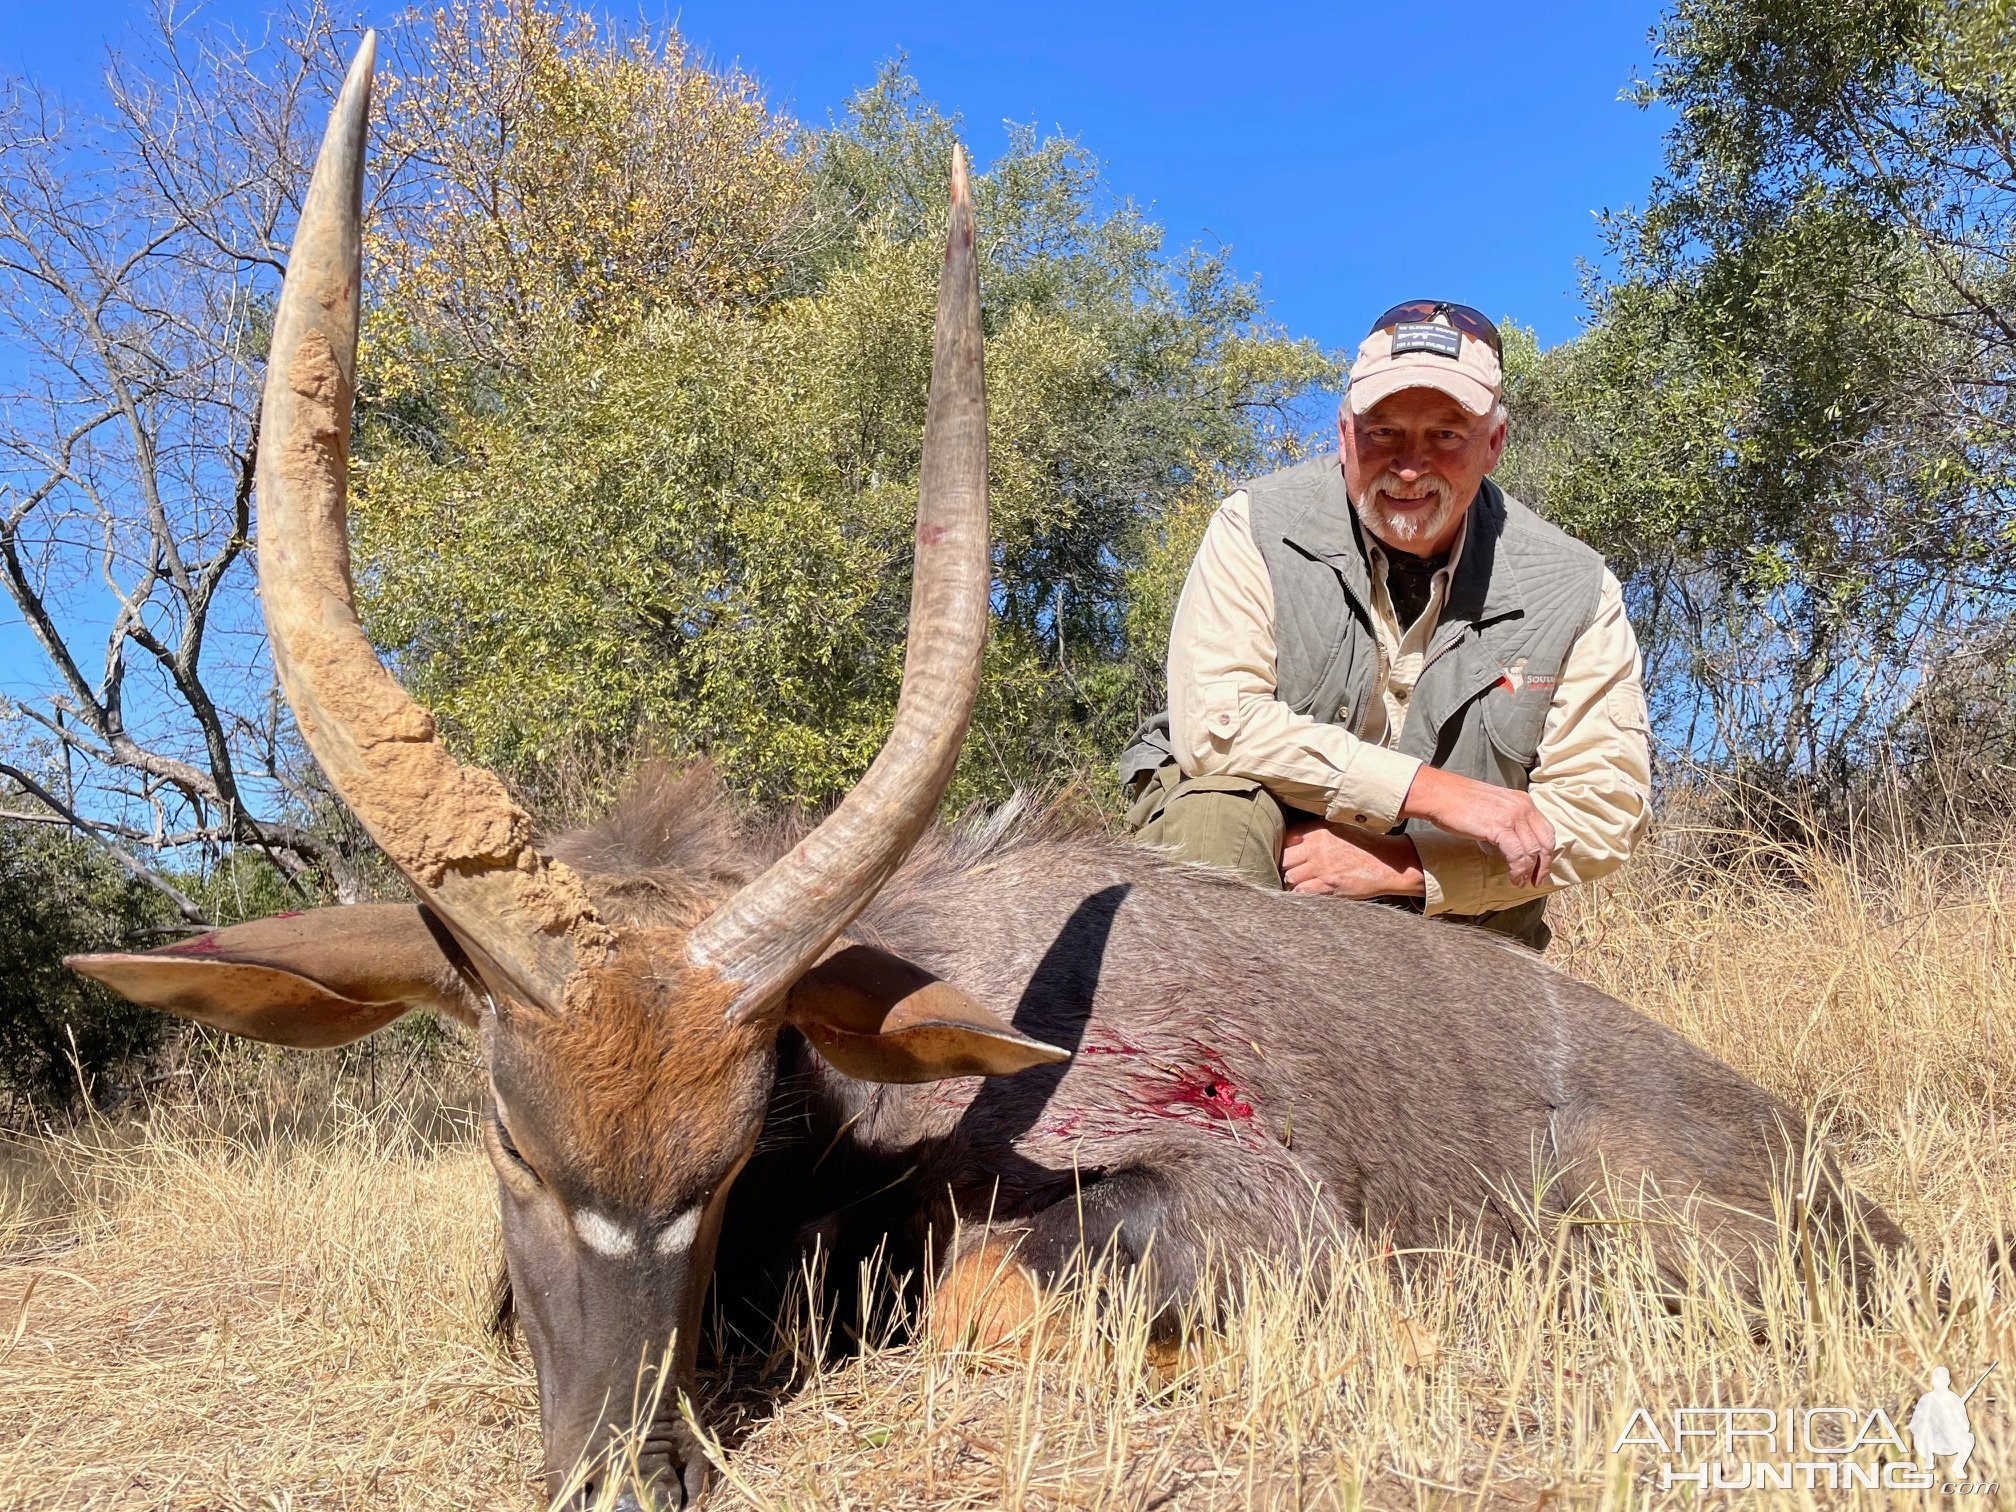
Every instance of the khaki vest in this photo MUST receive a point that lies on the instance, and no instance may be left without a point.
(1521, 594)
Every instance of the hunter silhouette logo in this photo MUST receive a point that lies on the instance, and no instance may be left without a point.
(1815, 1448)
(1939, 1425)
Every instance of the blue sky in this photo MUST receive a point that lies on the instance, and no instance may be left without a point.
(1351, 154)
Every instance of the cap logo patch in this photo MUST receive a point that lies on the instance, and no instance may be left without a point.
(1427, 336)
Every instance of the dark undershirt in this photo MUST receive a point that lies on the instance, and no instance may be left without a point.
(1409, 580)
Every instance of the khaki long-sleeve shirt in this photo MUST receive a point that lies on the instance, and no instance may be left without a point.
(1593, 779)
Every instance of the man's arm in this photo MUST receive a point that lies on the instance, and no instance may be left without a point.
(1501, 823)
(1224, 718)
(1592, 782)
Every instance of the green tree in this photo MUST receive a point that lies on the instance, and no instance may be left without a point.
(643, 386)
(695, 525)
(1790, 418)
(61, 1036)
(546, 171)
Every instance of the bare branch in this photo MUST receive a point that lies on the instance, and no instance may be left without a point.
(136, 868)
(137, 253)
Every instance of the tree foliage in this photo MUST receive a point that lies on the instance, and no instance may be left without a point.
(690, 521)
(1791, 413)
(544, 174)
(643, 387)
(59, 1034)
(642, 394)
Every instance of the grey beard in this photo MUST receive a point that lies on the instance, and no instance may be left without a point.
(1404, 532)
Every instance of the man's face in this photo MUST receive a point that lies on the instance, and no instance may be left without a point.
(1412, 464)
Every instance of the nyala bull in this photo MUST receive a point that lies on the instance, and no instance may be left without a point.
(1066, 1043)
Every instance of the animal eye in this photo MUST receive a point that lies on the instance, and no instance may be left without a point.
(501, 1136)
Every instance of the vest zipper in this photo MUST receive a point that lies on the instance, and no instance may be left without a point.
(1436, 653)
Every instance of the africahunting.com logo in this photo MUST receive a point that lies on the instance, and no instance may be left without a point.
(1816, 1448)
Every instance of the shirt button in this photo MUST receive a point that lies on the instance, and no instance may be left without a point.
(1359, 819)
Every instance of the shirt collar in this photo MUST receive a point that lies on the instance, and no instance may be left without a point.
(1376, 554)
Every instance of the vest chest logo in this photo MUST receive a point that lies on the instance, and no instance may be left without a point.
(1513, 678)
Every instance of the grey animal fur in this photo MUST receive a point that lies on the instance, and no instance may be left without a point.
(1246, 1064)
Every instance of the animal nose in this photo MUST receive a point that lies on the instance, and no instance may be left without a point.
(662, 1497)
(664, 1485)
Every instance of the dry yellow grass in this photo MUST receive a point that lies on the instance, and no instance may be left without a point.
(273, 1299)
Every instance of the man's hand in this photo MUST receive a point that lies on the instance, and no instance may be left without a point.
(1502, 818)
(1346, 863)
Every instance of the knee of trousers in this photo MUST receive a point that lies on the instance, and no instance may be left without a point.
(1233, 822)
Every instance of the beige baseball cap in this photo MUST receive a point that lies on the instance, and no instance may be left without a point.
(1426, 354)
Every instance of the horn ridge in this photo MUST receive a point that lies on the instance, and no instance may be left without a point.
(453, 830)
(766, 935)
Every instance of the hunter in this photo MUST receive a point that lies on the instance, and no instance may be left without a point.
(1390, 679)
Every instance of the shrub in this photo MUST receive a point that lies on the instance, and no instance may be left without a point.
(62, 1037)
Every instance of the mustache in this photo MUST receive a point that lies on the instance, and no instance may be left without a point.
(1390, 484)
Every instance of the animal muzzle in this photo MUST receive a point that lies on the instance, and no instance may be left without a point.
(664, 1471)
(596, 1449)
(612, 1340)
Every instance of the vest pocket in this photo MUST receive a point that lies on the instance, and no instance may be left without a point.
(1514, 722)
(1313, 700)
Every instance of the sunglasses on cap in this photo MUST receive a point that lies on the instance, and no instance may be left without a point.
(1423, 311)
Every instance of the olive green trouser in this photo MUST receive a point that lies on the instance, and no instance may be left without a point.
(1236, 823)
(1232, 822)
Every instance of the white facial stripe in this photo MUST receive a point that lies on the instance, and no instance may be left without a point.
(677, 1236)
(604, 1237)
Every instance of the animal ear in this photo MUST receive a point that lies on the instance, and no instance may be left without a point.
(309, 980)
(878, 1017)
